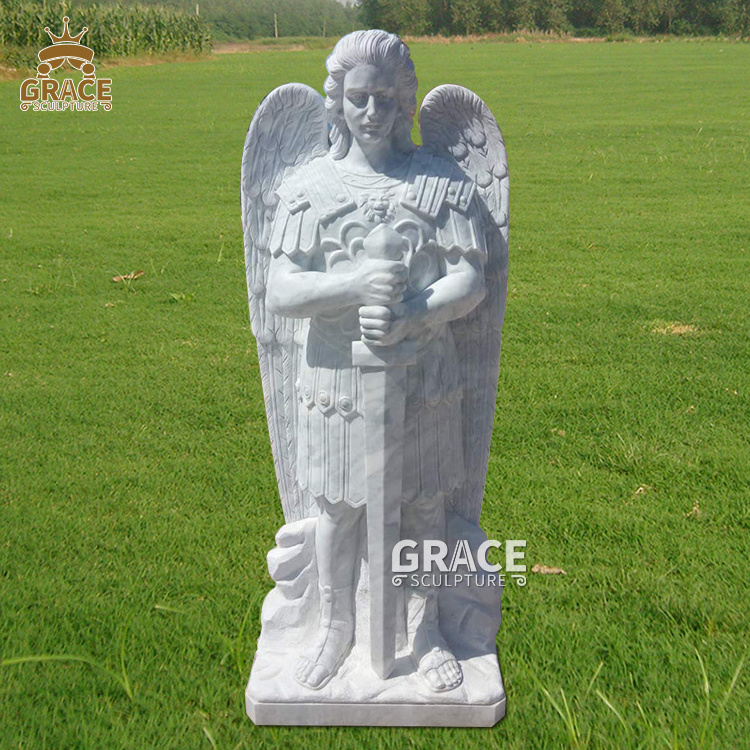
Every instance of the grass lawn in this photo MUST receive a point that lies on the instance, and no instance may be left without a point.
(137, 492)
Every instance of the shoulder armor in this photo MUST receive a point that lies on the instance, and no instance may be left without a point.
(316, 186)
(434, 181)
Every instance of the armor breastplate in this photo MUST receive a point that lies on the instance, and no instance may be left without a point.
(379, 202)
(330, 211)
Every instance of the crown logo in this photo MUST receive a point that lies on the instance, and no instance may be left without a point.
(66, 48)
(66, 38)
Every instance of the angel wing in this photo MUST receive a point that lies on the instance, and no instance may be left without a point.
(457, 124)
(288, 129)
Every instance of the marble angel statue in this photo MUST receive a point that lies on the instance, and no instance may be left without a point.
(352, 233)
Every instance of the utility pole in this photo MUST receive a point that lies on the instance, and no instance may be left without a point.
(275, 26)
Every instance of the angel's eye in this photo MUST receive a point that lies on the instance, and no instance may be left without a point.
(358, 100)
(383, 98)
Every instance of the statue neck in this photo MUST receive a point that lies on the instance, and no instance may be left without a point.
(372, 158)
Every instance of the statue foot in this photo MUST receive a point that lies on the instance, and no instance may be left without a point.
(435, 662)
(315, 669)
(333, 642)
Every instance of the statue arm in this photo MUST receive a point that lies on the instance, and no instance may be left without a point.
(462, 286)
(453, 296)
(295, 291)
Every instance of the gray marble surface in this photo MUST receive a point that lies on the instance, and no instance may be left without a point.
(470, 616)
(377, 280)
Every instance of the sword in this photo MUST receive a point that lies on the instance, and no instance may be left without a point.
(384, 381)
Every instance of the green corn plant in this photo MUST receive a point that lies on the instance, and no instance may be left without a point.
(113, 30)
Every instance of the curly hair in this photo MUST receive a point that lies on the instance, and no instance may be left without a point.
(379, 48)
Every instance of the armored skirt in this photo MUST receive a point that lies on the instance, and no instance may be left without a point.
(331, 421)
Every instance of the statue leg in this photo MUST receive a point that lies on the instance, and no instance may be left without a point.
(424, 518)
(336, 549)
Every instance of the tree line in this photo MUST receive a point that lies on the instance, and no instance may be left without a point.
(587, 17)
(251, 19)
(126, 28)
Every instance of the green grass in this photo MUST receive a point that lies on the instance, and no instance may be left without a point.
(137, 493)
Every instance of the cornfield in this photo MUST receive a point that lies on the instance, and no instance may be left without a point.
(113, 30)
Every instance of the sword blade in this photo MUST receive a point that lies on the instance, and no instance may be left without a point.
(384, 382)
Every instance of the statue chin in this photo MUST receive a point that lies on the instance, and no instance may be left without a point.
(379, 368)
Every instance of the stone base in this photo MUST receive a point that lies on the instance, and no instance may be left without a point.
(374, 714)
(356, 696)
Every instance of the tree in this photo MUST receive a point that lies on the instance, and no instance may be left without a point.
(735, 17)
(643, 15)
(612, 16)
(467, 16)
(404, 17)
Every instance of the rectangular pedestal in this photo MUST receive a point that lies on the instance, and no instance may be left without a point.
(374, 714)
(355, 695)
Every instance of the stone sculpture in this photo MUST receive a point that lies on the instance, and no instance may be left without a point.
(377, 278)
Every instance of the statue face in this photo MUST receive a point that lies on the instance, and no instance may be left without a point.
(370, 104)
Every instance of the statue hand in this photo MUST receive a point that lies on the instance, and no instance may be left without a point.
(380, 282)
(383, 326)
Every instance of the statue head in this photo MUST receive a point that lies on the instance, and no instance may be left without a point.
(390, 56)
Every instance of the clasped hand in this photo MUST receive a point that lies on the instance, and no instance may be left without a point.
(382, 318)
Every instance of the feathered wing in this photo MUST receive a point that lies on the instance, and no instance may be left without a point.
(456, 123)
(288, 129)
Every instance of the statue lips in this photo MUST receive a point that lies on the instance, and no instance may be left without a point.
(373, 129)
